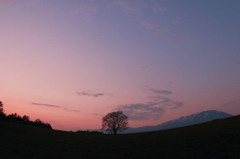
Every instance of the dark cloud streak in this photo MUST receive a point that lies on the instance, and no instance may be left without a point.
(54, 106)
(98, 94)
(46, 105)
(91, 95)
(161, 91)
(229, 103)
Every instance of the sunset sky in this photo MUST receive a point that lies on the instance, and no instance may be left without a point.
(70, 62)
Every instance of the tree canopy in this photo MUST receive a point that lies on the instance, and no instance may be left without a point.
(114, 122)
(1, 107)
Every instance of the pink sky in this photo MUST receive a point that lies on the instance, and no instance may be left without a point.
(70, 63)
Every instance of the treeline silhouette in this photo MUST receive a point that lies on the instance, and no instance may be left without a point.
(90, 132)
(14, 117)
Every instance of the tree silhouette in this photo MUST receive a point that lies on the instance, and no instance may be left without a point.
(1, 107)
(2, 114)
(114, 122)
(14, 117)
(39, 123)
(25, 119)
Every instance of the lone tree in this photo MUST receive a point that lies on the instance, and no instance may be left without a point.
(114, 122)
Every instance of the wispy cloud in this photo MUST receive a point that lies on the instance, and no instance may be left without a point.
(54, 106)
(150, 110)
(161, 91)
(167, 102)
(46, 105)
(91, 95)
(141, 111)
(231, 103)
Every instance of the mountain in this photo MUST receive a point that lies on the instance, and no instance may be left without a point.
(183, 121)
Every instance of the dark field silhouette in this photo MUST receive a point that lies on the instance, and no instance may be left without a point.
(215, 139)
(89, 132)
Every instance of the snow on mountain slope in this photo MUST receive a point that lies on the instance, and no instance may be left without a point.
(183, 121)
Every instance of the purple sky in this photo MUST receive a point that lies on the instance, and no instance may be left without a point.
(70, 62)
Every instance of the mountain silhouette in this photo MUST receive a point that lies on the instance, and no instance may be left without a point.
(202, 117)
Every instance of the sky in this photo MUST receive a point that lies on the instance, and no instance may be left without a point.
(70, 62)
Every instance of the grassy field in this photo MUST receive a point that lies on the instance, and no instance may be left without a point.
(216, 139)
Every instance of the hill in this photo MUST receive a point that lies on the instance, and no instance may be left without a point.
(216, 139)
(201, 117)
